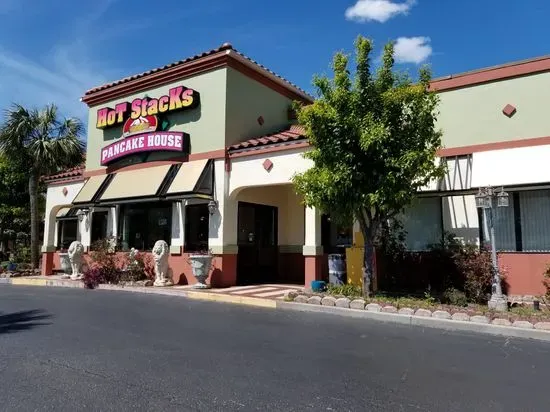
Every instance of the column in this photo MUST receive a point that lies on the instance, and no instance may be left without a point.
(178, 227)
(84, 230)
(222, 231)
(313, 249)
(48, 247)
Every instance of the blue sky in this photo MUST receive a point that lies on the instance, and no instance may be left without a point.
(52, 51)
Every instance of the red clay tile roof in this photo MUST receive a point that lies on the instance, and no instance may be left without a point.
(294, 134)
(74, 173)
(223, 47)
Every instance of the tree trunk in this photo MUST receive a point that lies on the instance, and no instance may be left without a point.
(368, 264)
(33, 197)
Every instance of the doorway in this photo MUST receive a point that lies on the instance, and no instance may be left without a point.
(257, 261)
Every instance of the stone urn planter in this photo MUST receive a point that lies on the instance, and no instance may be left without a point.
(65, 263)
(201, 265)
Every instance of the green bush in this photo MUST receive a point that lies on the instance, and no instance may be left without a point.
(455, 297)
(350, 291)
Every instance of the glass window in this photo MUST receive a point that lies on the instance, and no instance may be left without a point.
(535, 220)
(99, 226)
(504, 223)
(67, 232)
(422, 222)
(142, 224)
(196, 227)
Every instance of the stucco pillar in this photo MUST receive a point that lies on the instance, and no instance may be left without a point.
(313, 249)
(84, 234)
(178, 227)
(222, 230)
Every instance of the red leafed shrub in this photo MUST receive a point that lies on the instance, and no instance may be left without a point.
(139, 266)
(92, 277)
(104, 267)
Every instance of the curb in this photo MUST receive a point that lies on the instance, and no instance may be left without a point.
(411, 320)
(449, 325)
(191, 294)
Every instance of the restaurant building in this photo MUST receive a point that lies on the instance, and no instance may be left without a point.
(201, 153)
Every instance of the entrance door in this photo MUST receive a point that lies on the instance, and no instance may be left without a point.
(258, 252)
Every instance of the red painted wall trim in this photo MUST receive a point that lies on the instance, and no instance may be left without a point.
(215, 154)
(511, 144)
(491, 74)
(264, 150)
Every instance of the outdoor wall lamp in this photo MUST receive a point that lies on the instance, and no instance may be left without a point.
(212, 207)
(485, 201)
(82, 213)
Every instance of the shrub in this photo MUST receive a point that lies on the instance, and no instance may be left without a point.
(104, 261)
(92, 277)
(139, 266)
(546, 281)
(477, 268)
(348, 290)
(455, 297)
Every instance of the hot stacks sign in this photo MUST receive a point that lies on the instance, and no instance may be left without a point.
(144, 129)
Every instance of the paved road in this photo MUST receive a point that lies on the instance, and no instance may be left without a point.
(77, 350)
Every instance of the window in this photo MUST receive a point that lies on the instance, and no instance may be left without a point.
(535, 220)
(196, 227)
(523, 225)
(423, 223)
(504, 223)
(142, 224)
(99, 226)
(67, 232)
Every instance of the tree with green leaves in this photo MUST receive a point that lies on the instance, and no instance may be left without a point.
(42, 143)
(14, 212)
(373, 140)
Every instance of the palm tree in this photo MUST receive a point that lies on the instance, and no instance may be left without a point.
(41, 142)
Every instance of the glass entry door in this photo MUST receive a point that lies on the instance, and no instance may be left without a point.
(258, 244)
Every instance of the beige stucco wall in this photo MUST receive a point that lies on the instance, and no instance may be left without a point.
(205, 124)
(291, 211)
(473, 115)
(55, 200)
(248, 99)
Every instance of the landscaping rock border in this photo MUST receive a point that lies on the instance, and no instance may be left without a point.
(375, 308)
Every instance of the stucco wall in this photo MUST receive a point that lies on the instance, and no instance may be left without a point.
(205, 124)
(249, 171)
(291, 212)
(248, 99)
(55, 198)
(473, 115)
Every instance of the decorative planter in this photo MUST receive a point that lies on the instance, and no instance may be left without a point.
(201, 265)
(11, 267)
(65, 263)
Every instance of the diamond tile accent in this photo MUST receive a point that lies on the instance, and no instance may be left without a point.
(65, 191)
(261, 120)
(509, 110)
(268, 165)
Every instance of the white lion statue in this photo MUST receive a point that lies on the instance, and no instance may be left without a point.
(76, 250)
(160, 256)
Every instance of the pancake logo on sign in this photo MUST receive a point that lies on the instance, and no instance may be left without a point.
(139, 125)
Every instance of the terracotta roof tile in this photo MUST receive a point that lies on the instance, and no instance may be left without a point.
(223, 47)
(294, 134)
(73, 173)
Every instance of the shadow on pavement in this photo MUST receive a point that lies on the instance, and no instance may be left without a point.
(24, 320)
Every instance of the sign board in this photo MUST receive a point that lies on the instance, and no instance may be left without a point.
(142, 129)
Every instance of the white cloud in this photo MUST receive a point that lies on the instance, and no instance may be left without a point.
(377, 10)
(412, 49)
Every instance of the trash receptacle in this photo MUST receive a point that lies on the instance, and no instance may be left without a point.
(337, 269)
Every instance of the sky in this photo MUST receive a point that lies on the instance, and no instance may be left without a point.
(53, 51)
